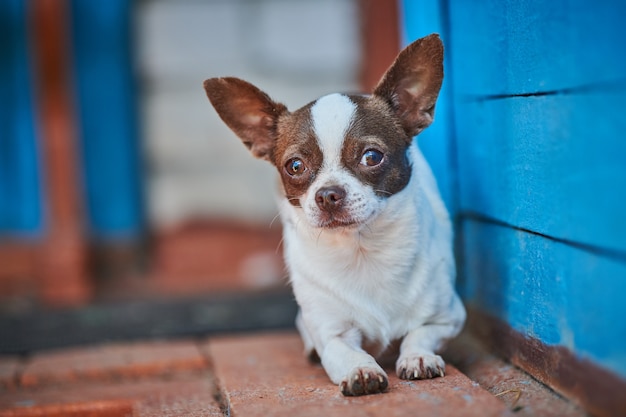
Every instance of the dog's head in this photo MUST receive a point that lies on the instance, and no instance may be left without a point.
(341, 156)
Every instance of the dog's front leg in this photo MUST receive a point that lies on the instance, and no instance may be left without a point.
(349, 366)
(417, 358)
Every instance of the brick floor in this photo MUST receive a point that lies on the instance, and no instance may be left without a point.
(267, 375)
(132, 379)
(523, 394)
(112, 361)
(187, 394)
(262, 374)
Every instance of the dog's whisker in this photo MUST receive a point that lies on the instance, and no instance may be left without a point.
(298, 224)
(318, 237)
(280, 243)
(274, 219)
(383, 192)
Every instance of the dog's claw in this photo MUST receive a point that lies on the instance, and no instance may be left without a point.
(363, 382)
(420, 367)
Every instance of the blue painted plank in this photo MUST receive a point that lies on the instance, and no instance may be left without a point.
(109, 129)
(20, 199)
(548, 290)
(421, 18)
(555, 165)
(526, 46)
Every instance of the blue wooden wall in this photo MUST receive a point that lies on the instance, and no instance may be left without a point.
(106, 94)
(530, 154)
(103, 81)
(20, 193)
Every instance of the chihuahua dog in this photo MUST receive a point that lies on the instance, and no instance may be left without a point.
(367, 238)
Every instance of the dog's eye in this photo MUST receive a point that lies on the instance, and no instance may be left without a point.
(371, 158)
(295, 167)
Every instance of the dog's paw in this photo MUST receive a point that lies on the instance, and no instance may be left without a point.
(424, 366)
(363, 381)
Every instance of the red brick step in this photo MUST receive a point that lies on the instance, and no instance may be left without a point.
(262, 374)
(267, 375)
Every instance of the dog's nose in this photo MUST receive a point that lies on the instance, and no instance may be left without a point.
(330, 198)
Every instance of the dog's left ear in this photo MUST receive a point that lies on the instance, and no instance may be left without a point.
(412, 83)
(248, 111)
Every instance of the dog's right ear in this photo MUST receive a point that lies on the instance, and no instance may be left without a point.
(248, 111)
(411, 85)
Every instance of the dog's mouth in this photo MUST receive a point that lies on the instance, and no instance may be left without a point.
(340, 220)
(333, 223)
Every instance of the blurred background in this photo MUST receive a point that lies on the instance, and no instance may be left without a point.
(117, 179)
(128, 210)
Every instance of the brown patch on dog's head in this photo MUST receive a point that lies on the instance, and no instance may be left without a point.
(296, 140)
(375, 127)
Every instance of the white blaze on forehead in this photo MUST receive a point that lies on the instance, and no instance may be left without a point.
(332, 115)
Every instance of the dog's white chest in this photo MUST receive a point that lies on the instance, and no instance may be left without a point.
(372, 278)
